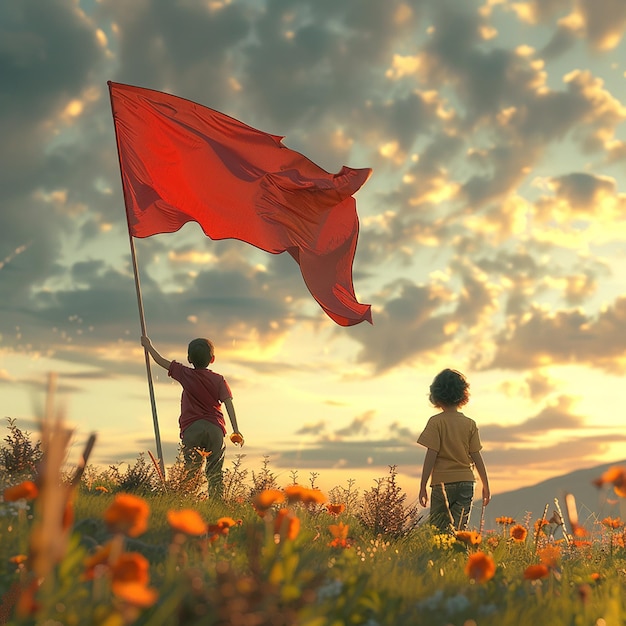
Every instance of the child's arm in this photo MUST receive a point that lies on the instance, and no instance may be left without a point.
(158, 358)
(482, 472)
(427, 470)
(230, 409)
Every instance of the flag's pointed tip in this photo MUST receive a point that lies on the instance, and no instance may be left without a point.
(342, 320)
(359, 176)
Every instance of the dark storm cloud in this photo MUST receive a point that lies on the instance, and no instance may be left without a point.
(333, 54)
(185, 48)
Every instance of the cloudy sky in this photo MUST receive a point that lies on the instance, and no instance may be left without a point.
(493, 228)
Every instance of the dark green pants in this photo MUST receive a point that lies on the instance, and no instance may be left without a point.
(205, 436)
(451, 504)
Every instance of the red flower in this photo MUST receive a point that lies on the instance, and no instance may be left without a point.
(26, 490)
(534, 572)
(336, 509)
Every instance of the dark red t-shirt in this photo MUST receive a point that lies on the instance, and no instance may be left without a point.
(203, 393)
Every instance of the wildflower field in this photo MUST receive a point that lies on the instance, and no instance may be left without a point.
(82, 545)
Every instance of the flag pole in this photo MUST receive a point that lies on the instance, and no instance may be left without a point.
(142, 319)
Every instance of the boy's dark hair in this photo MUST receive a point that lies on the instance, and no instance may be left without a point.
(200, 352)
(449, 388)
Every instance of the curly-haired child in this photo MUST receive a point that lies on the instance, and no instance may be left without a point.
(453, 451)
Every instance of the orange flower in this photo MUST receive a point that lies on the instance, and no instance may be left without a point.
(221, 527)
(286, 524)
(135, 594)
(18, 559)
(237, 439)
(26, 490)
(534, 572)
(612, 522)
(339, 531)
(265, 499)
(549, 555)
(131, 567)
(128, 515)
(336, 509)
(298, 493)
(102, 489)
(480, 567)
(518, 532)
(186, 521)
(227, 522)
(340, 534)
(615, 476)
(469, 537)
(505, 521)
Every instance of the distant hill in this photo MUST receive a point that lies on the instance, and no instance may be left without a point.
(591, 503)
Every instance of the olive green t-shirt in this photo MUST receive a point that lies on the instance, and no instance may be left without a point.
(454, 436)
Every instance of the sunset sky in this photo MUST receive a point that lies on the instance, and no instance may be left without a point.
(493, 228)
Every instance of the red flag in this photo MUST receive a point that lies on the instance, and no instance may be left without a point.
(183, 162)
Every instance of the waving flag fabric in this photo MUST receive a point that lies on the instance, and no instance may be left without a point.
(183, 162)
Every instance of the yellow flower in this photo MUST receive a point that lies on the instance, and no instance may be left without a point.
(26, 490)
(534, 572)
(518, 533)
(480, 567)
(127, 514)
(186, 521)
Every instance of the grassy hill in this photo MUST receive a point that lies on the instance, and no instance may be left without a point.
(591, 503)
